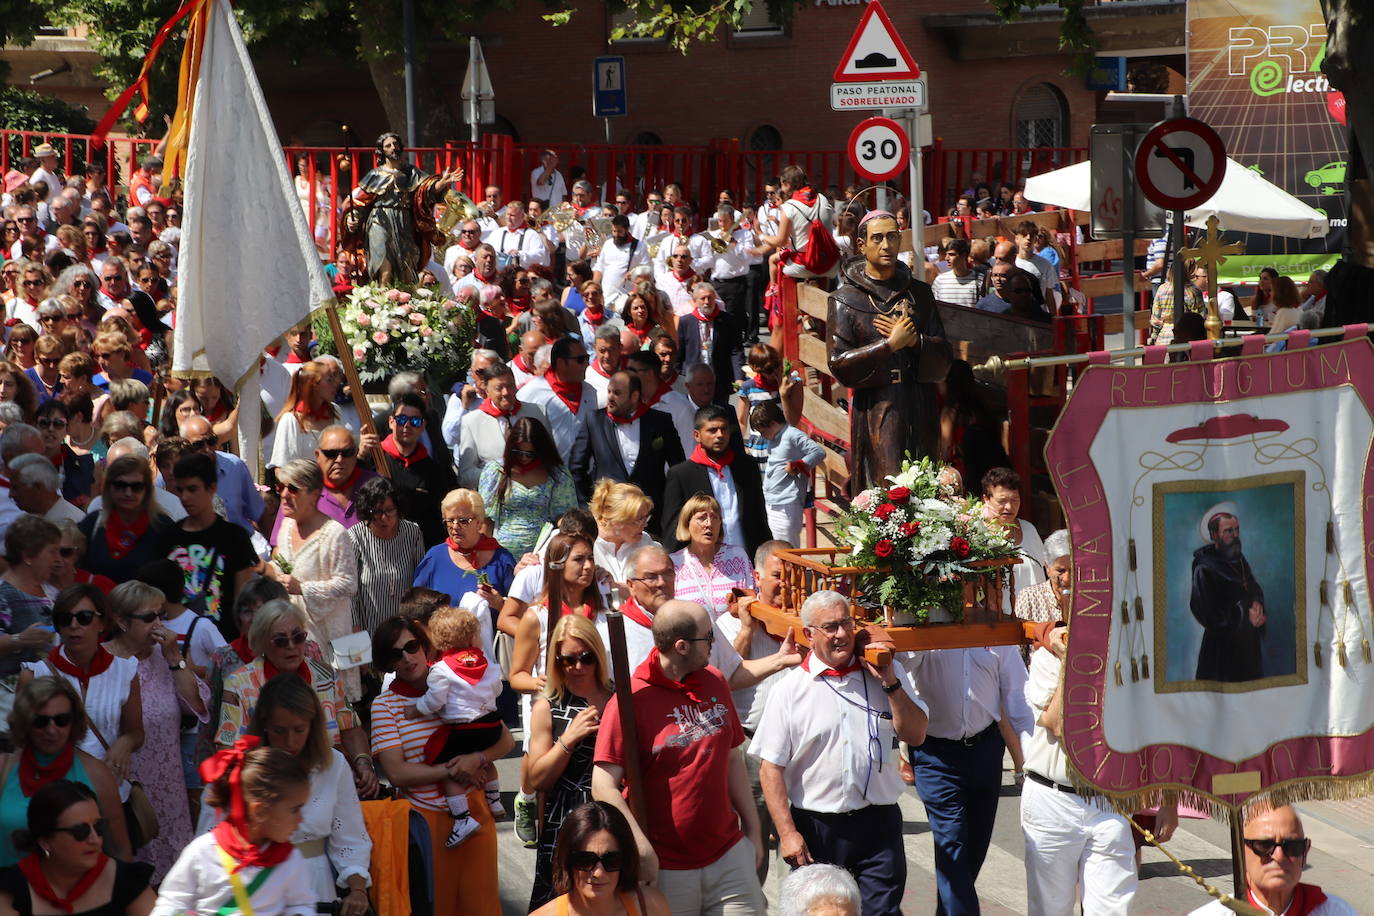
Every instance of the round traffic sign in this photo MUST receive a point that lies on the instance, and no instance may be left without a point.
(1180, 164)
(879, 149)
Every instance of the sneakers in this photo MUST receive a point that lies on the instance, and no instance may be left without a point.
(498, 810)
(464, 826)
(525, 817)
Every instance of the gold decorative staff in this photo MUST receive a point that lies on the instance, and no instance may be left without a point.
(1211, 253)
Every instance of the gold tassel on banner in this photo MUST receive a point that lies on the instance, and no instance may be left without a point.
(1130, 551)
(1349, 593)
(1125, 611)
(1317, 653)
(1340, 654)
(1325, 594)
(1330, 537)
(1135, 670)
(1119, 681)
(1364, 647)
(1145, 667)
(1139, 608)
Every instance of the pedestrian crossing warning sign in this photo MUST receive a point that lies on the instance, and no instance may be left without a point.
(876, 52)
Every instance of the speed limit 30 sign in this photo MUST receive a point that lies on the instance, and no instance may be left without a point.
(879, 149)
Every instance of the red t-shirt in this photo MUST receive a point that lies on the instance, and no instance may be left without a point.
(686, 734)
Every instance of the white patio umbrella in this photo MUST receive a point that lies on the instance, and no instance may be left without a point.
(1245, 202)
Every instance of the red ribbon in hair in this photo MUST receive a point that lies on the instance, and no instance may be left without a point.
(232, 833)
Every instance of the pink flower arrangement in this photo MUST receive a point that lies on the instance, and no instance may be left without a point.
(359, 351)
(364, 321)
(394, 295)
(380, 338)
(417, 319)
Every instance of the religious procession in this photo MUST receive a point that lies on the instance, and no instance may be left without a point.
(425, 493)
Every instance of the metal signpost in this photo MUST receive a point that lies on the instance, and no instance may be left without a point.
(479, 98)
(1117, 210)
(609, 96)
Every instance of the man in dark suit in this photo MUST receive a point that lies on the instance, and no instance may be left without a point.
(724, 473)
(708, 335)
(630, 443)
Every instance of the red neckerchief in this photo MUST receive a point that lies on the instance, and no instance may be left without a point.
(640, 411)
(701, 317)
(485, 542)
(120, 538)
(832, 672)
(347, 484)
(401, 688)
(59, 459)
(324, 412)
(642, 335)
(518, 305)
(219, 413)
(666, 384)
(270, 671)
(758, 380)
(100, 662)
(34, 775)
(292, 359)
(1306, 898)
(652, 672)
(632, 610)
(232, 833)
(240, 645)
(485, 314)
(596, 367)
(700, 457)
(595, 320)
(469, 663)
(806, 195)
(684, 280)
(485, 281)
(491, 410)
(586, 610)
(394, 451)
(522, 365)
(32, 868)
(570, 395)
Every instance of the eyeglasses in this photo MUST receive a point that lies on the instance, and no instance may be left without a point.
(33, 283)
(51, 422)
(580, 660)
(73, 316)
(710, 637)
(297, 638)
(334, 454)
(402, 420)
(385, 511)
(61, 720)
(149, 617)
(82, 832)
(584, 860)
(459, 522)
(129, 486)
(834, 626)
(1295, 848)
(655, 578)
(68, 553)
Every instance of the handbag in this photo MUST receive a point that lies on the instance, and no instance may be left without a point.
(140, 817)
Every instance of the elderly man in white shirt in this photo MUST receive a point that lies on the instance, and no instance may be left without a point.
(517, 243)
(469, 238)
(729, 268)
(644, 224)
(619, 256)
(698, 246)
(828, 772)
(482, 431)
(546, 182)
(466, 395)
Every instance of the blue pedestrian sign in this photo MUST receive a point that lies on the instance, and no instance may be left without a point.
(608, 88)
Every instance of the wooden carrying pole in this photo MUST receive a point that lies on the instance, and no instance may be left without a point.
(629, 731)
(1073, 359)
(355, 387)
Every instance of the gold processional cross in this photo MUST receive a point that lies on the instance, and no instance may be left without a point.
(1211, 252)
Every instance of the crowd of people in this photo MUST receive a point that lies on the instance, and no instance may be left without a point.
(208, 681)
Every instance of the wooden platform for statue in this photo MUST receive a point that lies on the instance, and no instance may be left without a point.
(809, 570)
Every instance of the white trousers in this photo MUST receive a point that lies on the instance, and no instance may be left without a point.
(785, 521)
(1073, 843)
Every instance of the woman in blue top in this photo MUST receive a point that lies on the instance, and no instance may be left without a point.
(454, 566)
(529, 488)
(48, 722)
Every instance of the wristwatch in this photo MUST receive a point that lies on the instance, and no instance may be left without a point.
(893, 687)
(179, 666)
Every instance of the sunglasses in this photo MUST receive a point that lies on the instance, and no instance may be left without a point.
(1295, 848)
(83, 284)
(82, 832)
(73, 316)
(33, 283)
(297, 638)
(64, 619)
(61, 720)
(51, 319)
(283, 487)
(584, 860)
(334, 454)
(149, 617)
(207, 443)
(416, 422)
(68, 553)
(50, 422)
(580, 660)
(523, 453)
(409, 648)
(130, 486)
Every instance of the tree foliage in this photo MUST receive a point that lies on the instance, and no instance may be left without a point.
(24, 109)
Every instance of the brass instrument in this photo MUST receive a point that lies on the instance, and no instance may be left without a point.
(458, 208)
(562, 217)
(719, 244)
(653, 250)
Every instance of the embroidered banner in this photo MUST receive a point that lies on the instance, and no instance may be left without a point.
(1220, 628)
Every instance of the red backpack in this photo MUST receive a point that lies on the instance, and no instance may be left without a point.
(821, 253)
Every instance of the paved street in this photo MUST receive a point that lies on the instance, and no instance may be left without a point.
(1342, 858)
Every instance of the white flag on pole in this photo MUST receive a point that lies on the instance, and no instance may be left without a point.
(249, 270)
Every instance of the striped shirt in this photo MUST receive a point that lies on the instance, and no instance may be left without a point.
(391, 731)
(385, 571)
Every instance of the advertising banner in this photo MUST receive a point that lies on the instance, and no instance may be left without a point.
(1220, 633)
(1254, 74)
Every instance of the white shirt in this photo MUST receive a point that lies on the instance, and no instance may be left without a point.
(1042, 269)
(1043, 752)
(698, 245)
(966, 689)
(833, 738)
(554, 190)
(522, 377)
(453, 253)
(615, 560)
(1331, 906)
(25, 311)
(627, 438)
(640, 225)
(615, 262)
(750, 701)
(723, 489)
(50, 179)
(104, 697)
(734, 261)
(678, 291)
(768, 219)
(481, 438)
(63, 511)
(956, 290)
(598, 382)
(639, 639)
(205, 639)
(684, 413)
(566, 427)
(453, 699)
(525, 243)
(199, 883)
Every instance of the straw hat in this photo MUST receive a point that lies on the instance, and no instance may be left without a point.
(43, 150)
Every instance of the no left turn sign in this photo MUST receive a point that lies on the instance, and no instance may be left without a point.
(1180, 164)
(879, 149)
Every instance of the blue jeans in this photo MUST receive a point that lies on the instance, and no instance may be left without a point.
(959, 782)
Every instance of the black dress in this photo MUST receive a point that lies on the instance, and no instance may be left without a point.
(573, 788)
(131, 879)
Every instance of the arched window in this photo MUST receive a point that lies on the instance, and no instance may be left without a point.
(646, 138)
(765, 137)
(1040, 114)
